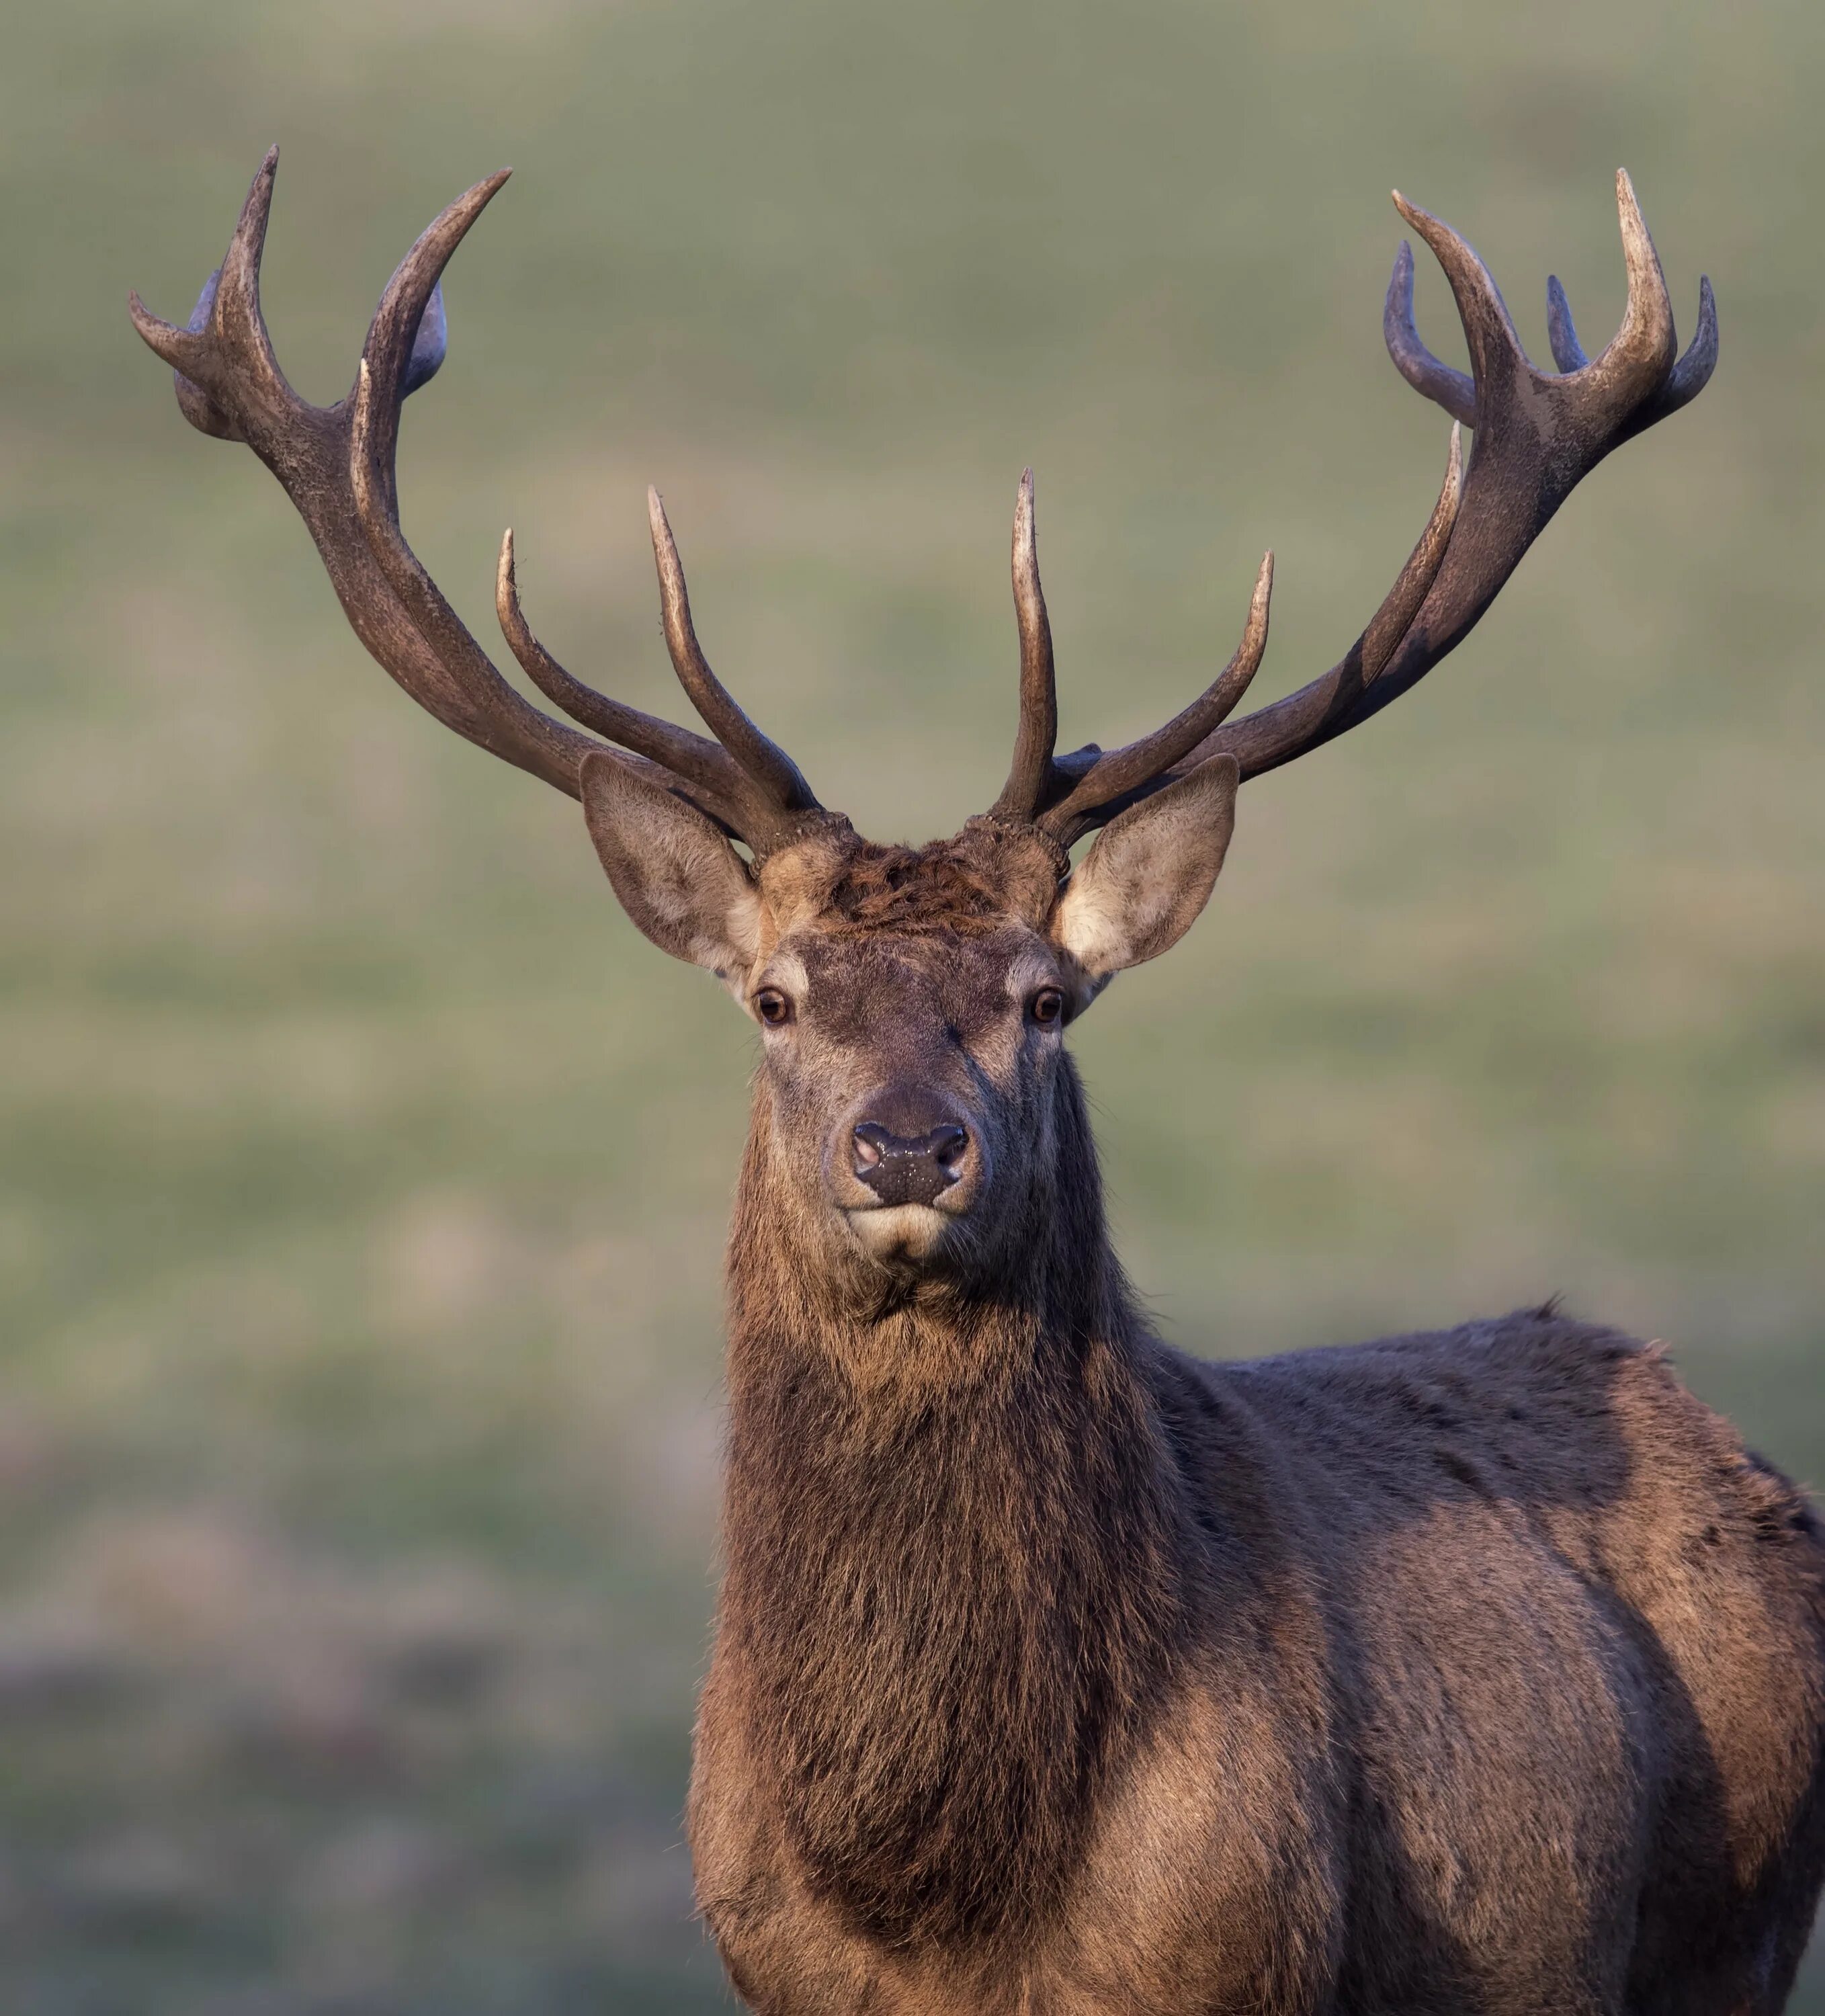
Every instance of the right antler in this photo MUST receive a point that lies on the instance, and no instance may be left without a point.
(1537, 436)
(336, 465)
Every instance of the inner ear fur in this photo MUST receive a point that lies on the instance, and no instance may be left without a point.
(676, 875)
(1140, 887)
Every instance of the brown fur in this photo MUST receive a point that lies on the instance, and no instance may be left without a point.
(1058, 1672)
(944, 888)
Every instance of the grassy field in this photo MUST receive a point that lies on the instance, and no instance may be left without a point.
(363, 1174)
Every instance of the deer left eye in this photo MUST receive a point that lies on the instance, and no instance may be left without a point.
(1047, 1007)
(772, 1006)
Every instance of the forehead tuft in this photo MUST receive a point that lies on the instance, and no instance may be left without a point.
(908, 891)
(974, 883)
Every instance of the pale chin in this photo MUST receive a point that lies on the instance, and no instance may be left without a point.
(901, 1232)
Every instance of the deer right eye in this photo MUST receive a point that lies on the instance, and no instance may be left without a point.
(772, 1006)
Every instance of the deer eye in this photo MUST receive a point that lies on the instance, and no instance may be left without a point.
(773, 1007)
(1047, 1007)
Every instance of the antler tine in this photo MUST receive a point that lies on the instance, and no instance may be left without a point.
(194, 403)
(1690, 376)
(1114, 776)
(223, 357)
(236, 316)
(1454, 391)
(762, 759)
(1032, 773)
(1561, 331)
(1488, 332)
(381, 384)
(1637, 359)
(709, 769)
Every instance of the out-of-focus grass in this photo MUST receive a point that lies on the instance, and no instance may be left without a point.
(363, 1173)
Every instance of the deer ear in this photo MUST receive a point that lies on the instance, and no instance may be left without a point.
(676, 877)
(1140, 887)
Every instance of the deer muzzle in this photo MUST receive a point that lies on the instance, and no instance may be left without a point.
(915, 1170)
(903, 1165)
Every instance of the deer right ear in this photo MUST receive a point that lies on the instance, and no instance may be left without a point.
(678, 878)
(1140, 889)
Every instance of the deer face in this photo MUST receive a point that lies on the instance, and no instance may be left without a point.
(911, 1003)
(906, 1077)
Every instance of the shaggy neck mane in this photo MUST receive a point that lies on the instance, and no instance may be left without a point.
(953, 1559)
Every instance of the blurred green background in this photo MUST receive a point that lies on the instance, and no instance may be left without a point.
(365, 1174)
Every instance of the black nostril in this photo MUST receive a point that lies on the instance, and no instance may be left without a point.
(903, 1169)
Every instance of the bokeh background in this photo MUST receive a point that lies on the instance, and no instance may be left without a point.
(365, 1174)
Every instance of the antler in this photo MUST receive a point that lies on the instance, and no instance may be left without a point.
(1537, 436)
(337, 465)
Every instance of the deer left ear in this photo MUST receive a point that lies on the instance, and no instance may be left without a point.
(1141, 886)
(678, 878)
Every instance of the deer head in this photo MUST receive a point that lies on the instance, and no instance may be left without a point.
(916, 1111)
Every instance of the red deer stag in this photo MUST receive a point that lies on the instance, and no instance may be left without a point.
(1058, 1672)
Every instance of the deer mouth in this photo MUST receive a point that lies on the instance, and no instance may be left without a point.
(898, 1234)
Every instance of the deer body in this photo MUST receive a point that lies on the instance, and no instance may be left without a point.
(1056, 1673)
(1557, 1777)
(1540, 1757)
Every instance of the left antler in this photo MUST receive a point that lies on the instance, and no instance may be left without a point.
(1538, 435)
(336, 464)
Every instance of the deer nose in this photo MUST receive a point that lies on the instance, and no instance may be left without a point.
(909, 1169)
